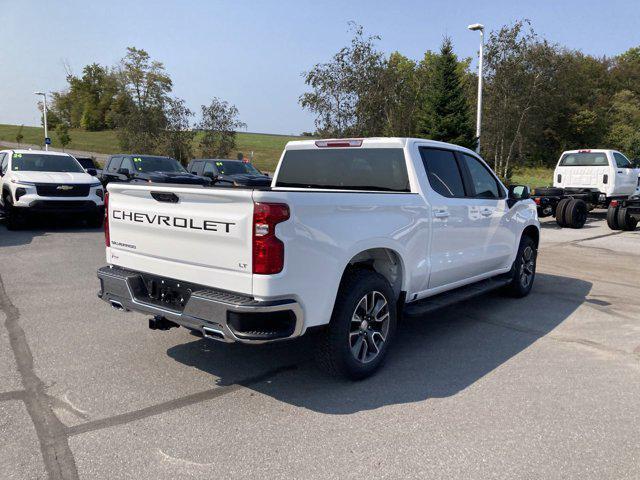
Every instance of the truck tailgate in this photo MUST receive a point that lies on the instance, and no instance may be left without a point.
(197, 235)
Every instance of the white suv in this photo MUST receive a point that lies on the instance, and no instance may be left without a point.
(34, 181)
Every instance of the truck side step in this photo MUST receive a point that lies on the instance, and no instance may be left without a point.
(445, 299)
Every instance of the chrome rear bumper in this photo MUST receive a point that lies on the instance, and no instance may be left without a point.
(207, 310)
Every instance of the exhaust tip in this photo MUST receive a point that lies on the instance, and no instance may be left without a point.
(117, 306)
(212, 333)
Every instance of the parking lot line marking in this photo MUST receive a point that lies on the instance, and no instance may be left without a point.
(175, 404)
(54, 443)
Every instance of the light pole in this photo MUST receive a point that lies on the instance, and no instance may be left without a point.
(44, 111)
(478, 27)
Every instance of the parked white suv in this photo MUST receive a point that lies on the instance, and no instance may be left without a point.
(34, 181)
(350, 234)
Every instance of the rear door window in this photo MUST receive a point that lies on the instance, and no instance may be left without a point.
(443, 172)
(196, 168)
(369, 169)
(209, 168)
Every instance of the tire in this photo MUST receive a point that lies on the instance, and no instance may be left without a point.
(612, 218)
(561, 218)
(575, 213)
(11, 218)
(345, 347)
(523, 271)
(95, 220)
(548, 191)
(625, 221)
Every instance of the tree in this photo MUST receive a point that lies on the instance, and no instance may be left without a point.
(139, 107)
(624, 133)
(219, 124)
(344, 95)
(444, 114)
(177, 138)
(62, 132)
(520, 68)
(19, 135)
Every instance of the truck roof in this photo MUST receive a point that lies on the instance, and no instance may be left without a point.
(590, 150)
(372, 142)
(26, 150)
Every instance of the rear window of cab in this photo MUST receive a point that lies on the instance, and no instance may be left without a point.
(584, 159)
(368, 169)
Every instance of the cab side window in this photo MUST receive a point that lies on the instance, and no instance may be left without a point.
(196, 168)
(209, 168)
(621, 160)
(128, 164)
(483, 182)
(4, 163)
(114, 165)
(443, 172)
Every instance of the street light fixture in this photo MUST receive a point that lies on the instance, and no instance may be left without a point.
(44, 111)
(478, 27)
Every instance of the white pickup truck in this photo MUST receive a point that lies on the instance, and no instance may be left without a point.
(350, 235)
(583, 180)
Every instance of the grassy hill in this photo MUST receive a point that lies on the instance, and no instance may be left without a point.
(266, 148)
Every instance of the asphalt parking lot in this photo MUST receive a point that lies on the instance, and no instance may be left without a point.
(544, 387)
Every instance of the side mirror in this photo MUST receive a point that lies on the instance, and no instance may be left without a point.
(125, 172)
(92, 171)
(211, 175)
(518, 193)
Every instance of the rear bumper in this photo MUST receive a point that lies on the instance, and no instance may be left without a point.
(217, 314)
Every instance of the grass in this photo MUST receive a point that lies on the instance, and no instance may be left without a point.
(266, 148)
(533, 177)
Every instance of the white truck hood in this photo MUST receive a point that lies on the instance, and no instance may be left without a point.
(53, 177)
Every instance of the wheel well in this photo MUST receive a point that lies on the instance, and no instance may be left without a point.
(384, 261)
(532, 232)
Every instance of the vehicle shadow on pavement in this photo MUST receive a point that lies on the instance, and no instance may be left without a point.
(25, 235)
(593, 220)
(433, 357)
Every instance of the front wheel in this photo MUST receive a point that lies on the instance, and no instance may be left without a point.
(362, 326)
(523, 271)
(12, 219)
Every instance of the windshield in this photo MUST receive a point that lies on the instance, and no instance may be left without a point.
(584, 159)
(157, 164)
(234, 168)
(42, 162)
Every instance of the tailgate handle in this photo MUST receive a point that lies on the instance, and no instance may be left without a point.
(168, 197)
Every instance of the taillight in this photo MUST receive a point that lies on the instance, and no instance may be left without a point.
(268, 250)
(614, 203)
(537, 200)
(559, 178)
(605, 178)
(107, 238)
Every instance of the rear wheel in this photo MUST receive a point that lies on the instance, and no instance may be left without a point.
(625, 221)
(575, 213)
(612, 217)
(362, 326)
(523, 270)
(561, 218)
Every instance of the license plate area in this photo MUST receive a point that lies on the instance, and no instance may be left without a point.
(162, 292)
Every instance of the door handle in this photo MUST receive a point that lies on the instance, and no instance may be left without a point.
(440, 213)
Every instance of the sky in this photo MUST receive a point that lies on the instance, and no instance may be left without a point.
(252, 54)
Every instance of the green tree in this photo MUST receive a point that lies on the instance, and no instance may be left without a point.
(219, 124)
(62, 132)
(444, 113)
(624, 133)
(344, 96)
(139, 107)
(19, 135)
(177, 139)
